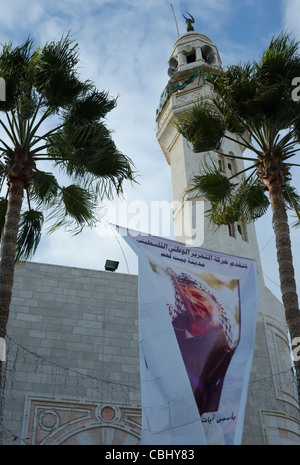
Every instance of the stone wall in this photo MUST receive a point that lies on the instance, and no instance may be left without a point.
(72, 369)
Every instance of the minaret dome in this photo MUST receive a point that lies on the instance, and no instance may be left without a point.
(191, 51)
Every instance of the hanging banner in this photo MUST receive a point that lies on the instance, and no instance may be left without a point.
(197, 320)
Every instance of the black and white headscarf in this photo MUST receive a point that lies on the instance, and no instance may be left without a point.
(179, 307)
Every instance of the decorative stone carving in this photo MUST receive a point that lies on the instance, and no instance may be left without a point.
(53, 421)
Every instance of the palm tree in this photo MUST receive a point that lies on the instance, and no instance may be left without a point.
(50, 115)
(252, 105)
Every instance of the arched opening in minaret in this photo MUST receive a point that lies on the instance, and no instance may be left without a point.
(238, 231)
(208, 54)
(242, 231)
(221, 163)
(231, 230)
(231, 165)
(191, 58)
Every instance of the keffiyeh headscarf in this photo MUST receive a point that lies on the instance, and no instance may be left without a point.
(179, 307)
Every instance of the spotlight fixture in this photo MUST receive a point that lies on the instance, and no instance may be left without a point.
(111, 265)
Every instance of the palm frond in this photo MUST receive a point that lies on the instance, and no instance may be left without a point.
(202, 126)
(2, 175)
(89, 155)
(236, 88)
(29, 235)
(292, 199)
(90, 107)
(279, 59)
(211, 183)
(42, 83)
(232, 121)
(223, 214)
(262, 88)
(17, 69)
(56, 76)
(230, 202)
(43, 187)
(74, 208)
(251, 200)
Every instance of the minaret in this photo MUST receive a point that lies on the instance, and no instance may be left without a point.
(272, 415)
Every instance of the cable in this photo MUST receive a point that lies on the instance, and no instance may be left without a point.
(265, 245)
(50, 362)
(175, 20)
(111, 227)
(276, 284)
(259, 252)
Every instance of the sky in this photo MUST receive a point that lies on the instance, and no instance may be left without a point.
(124, 48)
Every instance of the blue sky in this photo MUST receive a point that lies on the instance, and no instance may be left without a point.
(124, 49)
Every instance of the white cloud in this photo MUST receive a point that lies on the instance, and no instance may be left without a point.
(124, 48)
(291, 17)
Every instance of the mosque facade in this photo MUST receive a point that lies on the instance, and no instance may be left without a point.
(72, 369)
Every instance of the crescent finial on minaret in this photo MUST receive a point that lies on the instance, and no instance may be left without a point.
(189, 22)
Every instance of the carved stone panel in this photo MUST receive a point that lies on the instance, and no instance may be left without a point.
(49, 421)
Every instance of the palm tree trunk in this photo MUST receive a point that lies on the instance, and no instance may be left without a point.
(286, 268)
(8, 253)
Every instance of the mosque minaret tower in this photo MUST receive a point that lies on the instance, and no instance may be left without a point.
(272, 415)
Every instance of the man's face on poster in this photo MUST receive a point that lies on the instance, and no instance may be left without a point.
(202, 309)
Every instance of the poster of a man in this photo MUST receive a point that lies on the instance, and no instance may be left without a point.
(197, 326)
(207, 336)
